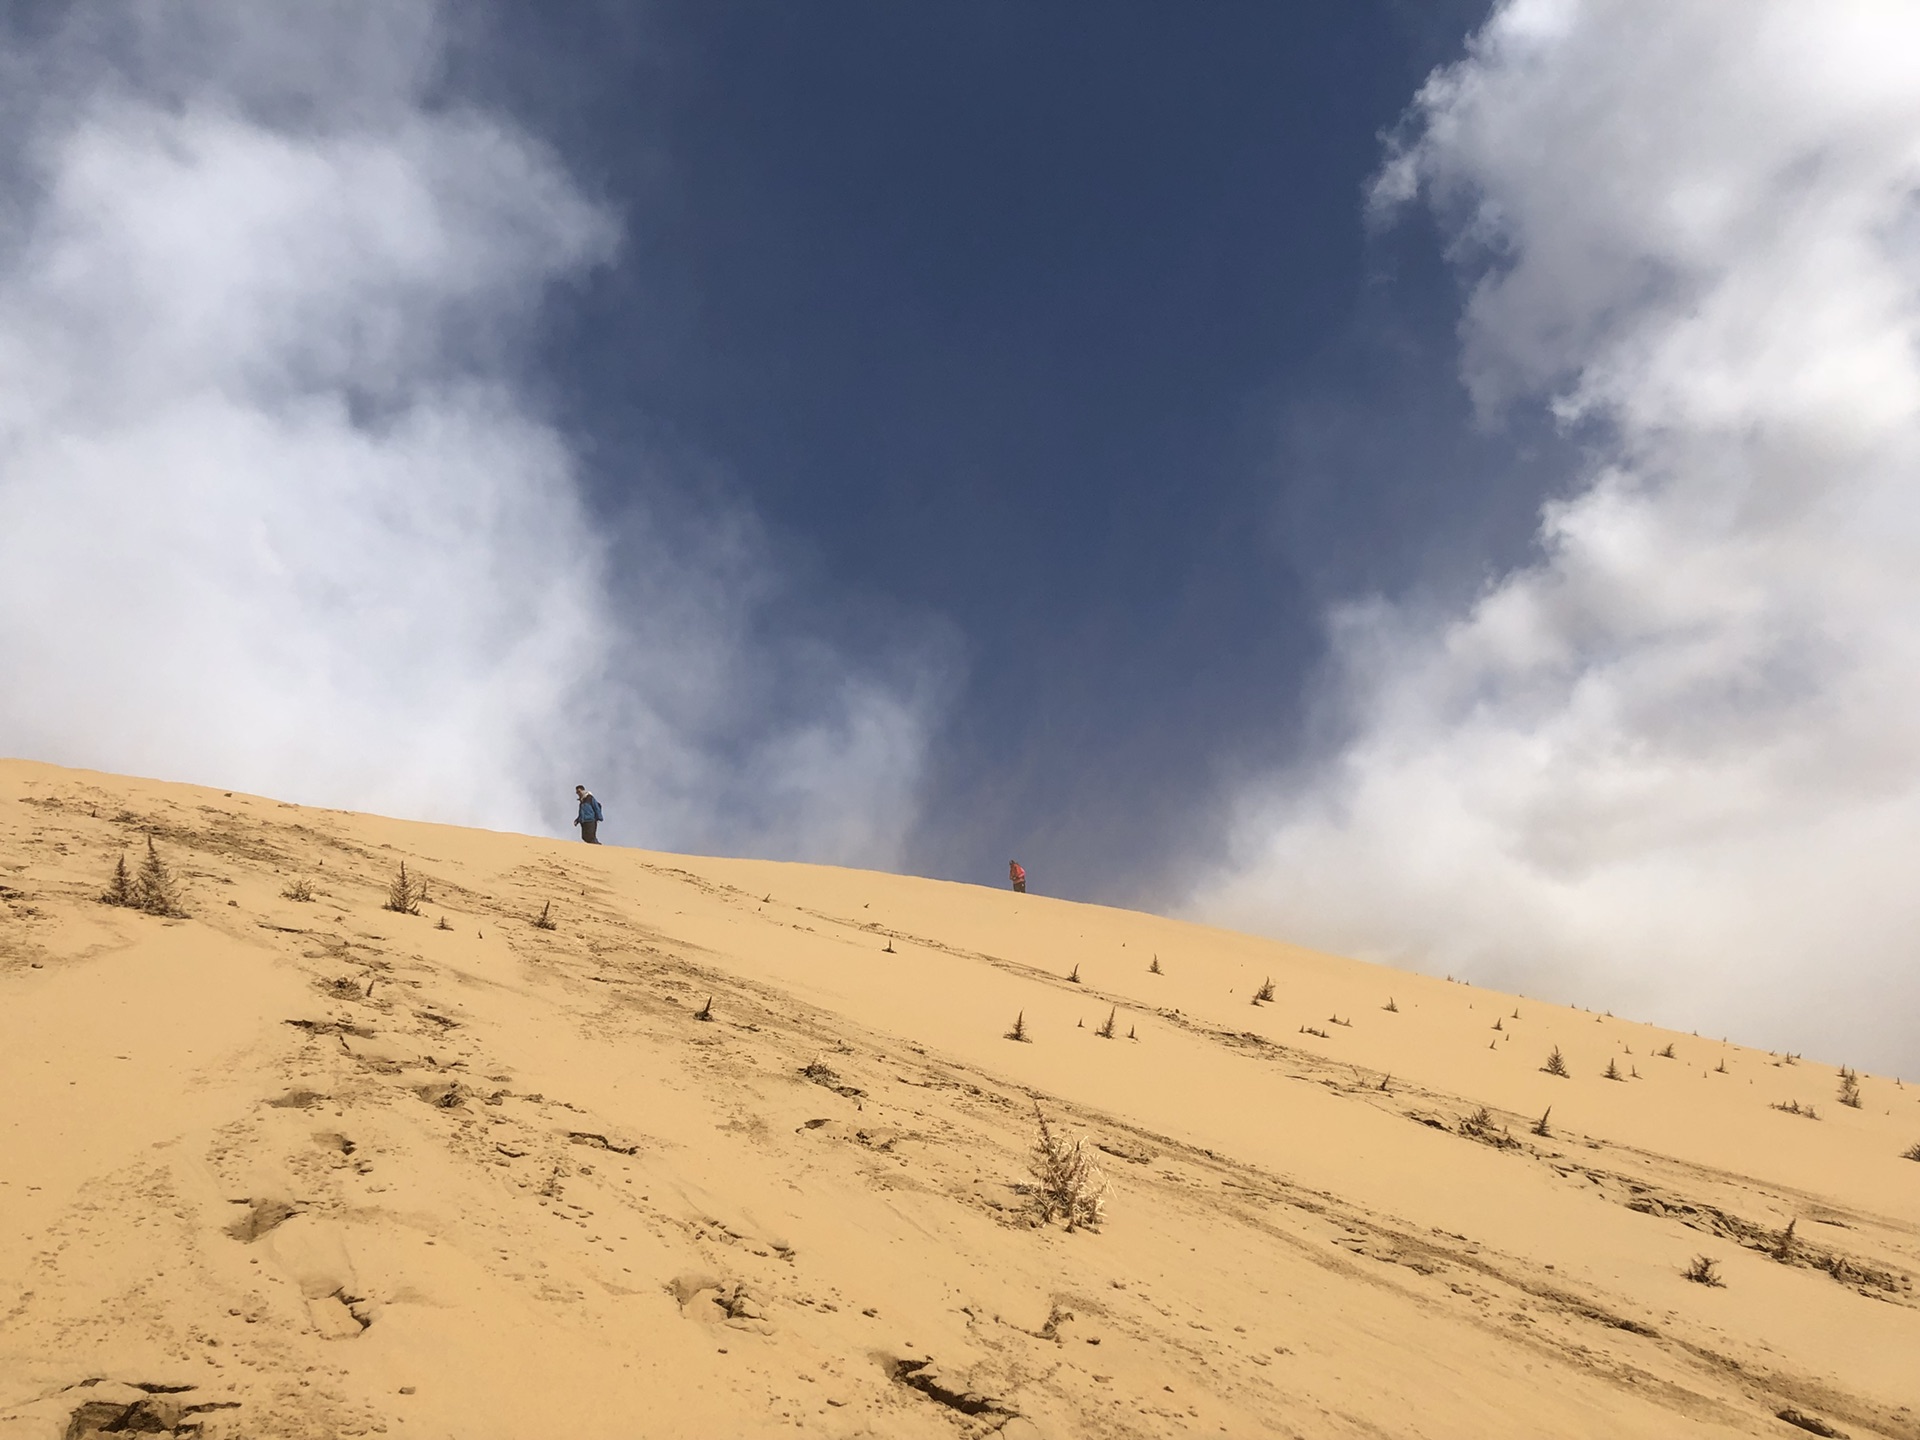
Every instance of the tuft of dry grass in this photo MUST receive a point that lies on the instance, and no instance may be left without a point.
(705, 1012)
(1481, 1126)
(441, 924)
(544, 920)
(1612, 1071)
(1704, 1270)
(299, 890)
(1067, 1182)
(1556, 1064)
(1794, 1107)
(1540, 1125)
(1783, 1248)
(1849, 1088)
(1074, 978)
(1265, 992)
(1019, 1030)
(1154, 968)
(1390, 1007)
(1912, 1152)
(1105, 1032)
(1667, 1052)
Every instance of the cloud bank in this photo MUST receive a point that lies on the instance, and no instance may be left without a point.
(1672, 766)
(279, 511)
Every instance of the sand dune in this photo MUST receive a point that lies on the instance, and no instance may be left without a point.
(292, 1167)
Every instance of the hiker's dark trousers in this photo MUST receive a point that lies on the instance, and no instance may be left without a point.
(1019, 887)
(590, 831)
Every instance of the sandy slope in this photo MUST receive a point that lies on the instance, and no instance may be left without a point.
(320, 1169)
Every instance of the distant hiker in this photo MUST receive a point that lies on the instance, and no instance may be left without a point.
(590, 815)
(1018, 875)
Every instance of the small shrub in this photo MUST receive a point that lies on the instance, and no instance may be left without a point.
(1264, 993)
(1019, 1030)
(153, 887)
(1912, 1152)
(299, 890)
(1704, 1271)
(1783, 1247)
(1309, 1030)
(1849, 1088)
(404, 893)
(1481, 1126)
(1496, 1023)
(1105, 1032)
(1665, 1053)
(1540, 1125)
(441, 924)
(1067, 1181)
(1794, 1107)
(705, 1012)
(544, 920)
(1721, 1068)
(1556, 1064)
(1130, 1034)
(1390, 1007)
(1154, 968)
(1074, 978)
(1613, 1072)
(119, 889)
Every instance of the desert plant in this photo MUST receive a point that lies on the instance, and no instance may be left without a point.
(441, 924)
(1783, 1247)
(1019, 1030)
(1540, 1125)
(153, 887)
(119, 889)
(1067, 1181)
(1912, 1152)
(404, 893)
(705, 1012)
(1130, 1034)
(1721, 1068)
(1390, 1007)
(1265, 992)
(1105, 1032)
(1794, 1107)
(1704, 1270)
(1556, 1064)
(298, 890)
(544, 920)
(1154, 968)
(1613, 1072)
(1849, 1088)
(1074, 977)
(1496, 1023)
(1309, 1030)
(1667, 1052)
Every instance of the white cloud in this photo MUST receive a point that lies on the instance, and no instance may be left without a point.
(277, 514)
(1672, 766)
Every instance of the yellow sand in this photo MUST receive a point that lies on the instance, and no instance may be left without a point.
(500, 1180)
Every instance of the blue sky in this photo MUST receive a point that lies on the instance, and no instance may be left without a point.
(1059, 334)
(1429, 481)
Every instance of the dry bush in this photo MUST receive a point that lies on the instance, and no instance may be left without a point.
(1556, 1064)
(405, 893)
(1912, 1152)
(1540, 1125)
(1265, 992)
(1794, 1107)
(1481, 1126)
(1154, 968)
(1067, 1182)
(299, 890)
(1704, 1271)
(545, 921)
(119, 889)
(1074, 978)
(153, 888)
(1612, 1072)
(1390, 1007)
(1667, 1052)
(1105, 1032)
(1849, 1088)
(1019, 1030)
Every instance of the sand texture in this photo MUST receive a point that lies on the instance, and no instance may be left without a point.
(312, 1167)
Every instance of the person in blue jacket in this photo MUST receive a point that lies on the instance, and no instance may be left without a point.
(590, 815)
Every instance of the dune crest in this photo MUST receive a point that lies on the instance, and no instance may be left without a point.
(599, 1142)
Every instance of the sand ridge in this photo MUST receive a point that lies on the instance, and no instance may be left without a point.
(308, 1168)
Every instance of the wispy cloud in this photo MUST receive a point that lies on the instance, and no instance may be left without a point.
(1672, 766)
(278, 511)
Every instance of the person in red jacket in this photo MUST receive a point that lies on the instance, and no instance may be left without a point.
(1018, 876)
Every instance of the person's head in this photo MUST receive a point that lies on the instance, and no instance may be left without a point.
(580, 790)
